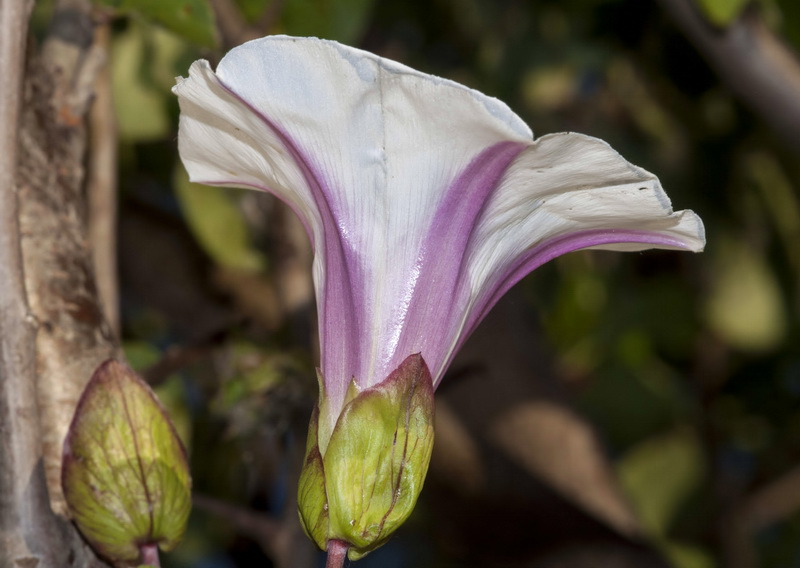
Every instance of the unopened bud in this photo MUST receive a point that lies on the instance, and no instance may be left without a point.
(365, 483)
(125, 474)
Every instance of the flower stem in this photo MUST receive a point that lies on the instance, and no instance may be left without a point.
(149, 554)
(337, 552)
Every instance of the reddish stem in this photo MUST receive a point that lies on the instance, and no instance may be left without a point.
(149, 554)
(337, 552)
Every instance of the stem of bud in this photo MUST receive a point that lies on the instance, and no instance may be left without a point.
(337, 552)
(149, 553)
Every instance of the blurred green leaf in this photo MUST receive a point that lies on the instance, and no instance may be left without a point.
(575, 314)
(722, 12)
(341, 20)
(191, 19)
(550, 88)
(686, 556)
(257, 384)
(790, 15)
(141, 109)
(216, 223)
(140, 354)
(255, 372)
(778, 544)
(252, 9)
(171, 393)
(627, 406)
(781, 200)
(659, 474)
(746, 303)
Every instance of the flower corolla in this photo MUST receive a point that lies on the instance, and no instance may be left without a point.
(424, 201)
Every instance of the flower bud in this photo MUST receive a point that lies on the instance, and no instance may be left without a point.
(365, 482)
(125, 474)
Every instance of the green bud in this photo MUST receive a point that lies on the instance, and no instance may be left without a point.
(366, 481)
(311, 489)
(125, 474)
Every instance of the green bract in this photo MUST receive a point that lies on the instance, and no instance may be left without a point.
(125, 474)
(364, 483)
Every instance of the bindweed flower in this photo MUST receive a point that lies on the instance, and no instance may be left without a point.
(425, 201)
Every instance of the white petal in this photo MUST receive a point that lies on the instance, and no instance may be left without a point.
(224, 142)
(567, 192)
(425, 200)
(377, 144)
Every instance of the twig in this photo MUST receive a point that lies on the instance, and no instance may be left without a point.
(179, 357)
(772, 502)
(270, 16)
(765, 506)
(281, 539)
(756, 64)
(258, 526)
(102, 186)
(736, 544)
(232, 25)
(20, 478)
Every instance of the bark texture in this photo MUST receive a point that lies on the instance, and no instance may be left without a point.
(23, 497)
(72, 337)
(43, 253)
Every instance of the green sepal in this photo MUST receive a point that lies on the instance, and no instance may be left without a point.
(125, 474)
(377, 457)
(323, 430)
(311, 498)
(352, 392)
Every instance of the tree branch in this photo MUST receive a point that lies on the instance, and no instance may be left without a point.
(102, 186)
(30, 535)
(752, 61)
(772, 502)
(21, 481)
(72, 338)
(258, 526)
(232, 25)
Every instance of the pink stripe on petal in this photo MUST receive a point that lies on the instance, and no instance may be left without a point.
(338, 298)
(443, 254)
